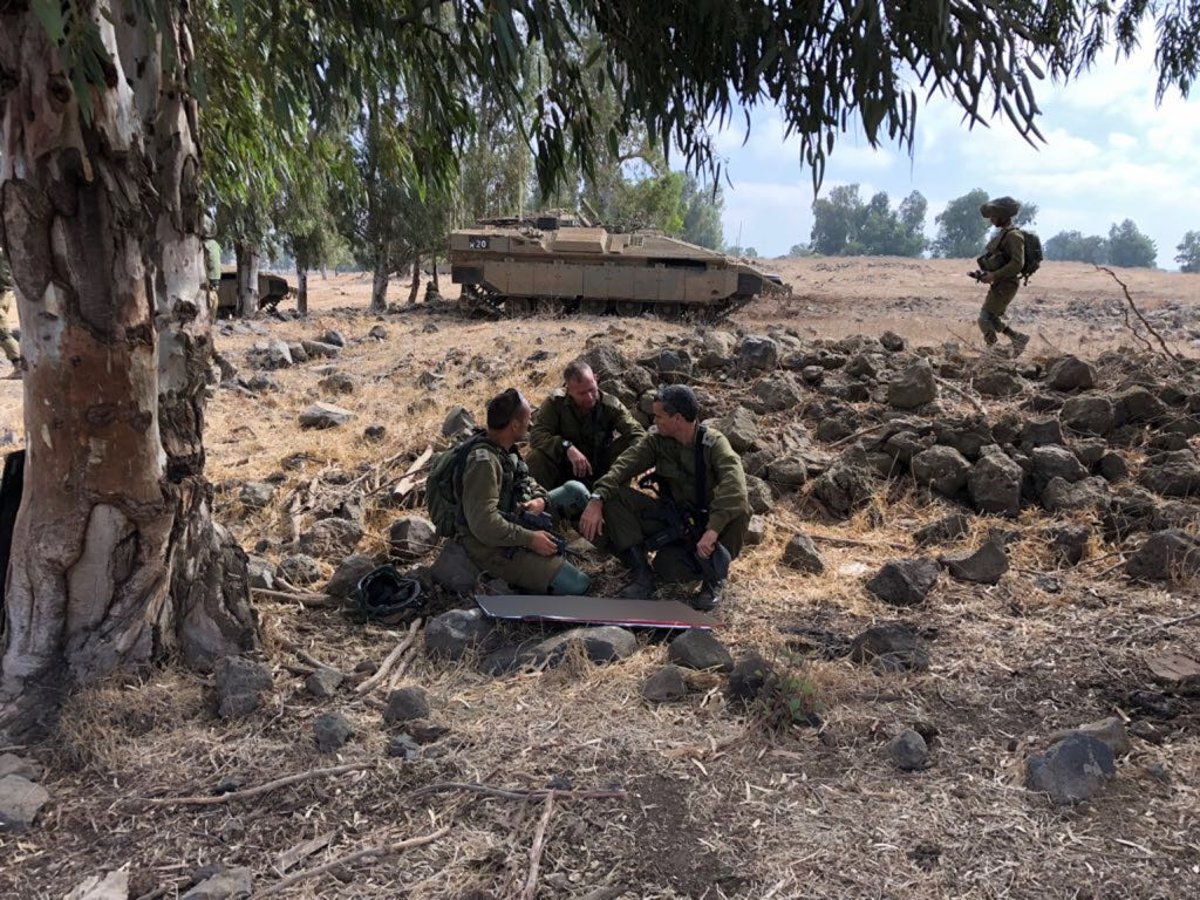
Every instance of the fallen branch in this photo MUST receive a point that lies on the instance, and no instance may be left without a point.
(304, 656)
(1174, 357)
(860, 433)
(365, 853)
(535, 852)
(316, 601)
(391, 659)
(517, 793)
(955, 389)
(1170, 623)
(214, 800)
(851, 542)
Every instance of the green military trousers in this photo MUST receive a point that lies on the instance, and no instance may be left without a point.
(991, 317)
(545, 471)
(630, 517)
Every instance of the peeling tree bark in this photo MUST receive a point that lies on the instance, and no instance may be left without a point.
(415, 288)
(379, 283)
(247, 280)
(301, 289)
(116, 562)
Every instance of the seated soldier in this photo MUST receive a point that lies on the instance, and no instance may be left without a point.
(496, 490)
(701, 487)
(579, 431)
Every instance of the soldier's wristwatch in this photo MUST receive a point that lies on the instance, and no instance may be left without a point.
(594, 496)
(566, 445)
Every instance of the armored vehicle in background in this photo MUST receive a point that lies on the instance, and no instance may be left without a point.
(271, 290)
(550, 265)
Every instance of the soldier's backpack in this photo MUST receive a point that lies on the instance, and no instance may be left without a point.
(1033, 255)
(443, 483)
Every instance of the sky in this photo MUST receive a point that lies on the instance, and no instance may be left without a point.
(1110, 154)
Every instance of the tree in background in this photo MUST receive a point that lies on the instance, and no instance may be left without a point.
(1128, 247)
(1189, 252)
(845, 226)
(961, 229)
(1074, 246)
(702, 208)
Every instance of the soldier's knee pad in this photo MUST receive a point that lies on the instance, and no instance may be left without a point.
(569, 499)
(570, 580)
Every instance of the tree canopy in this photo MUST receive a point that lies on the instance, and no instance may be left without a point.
(1127, 246)
(1189, 252)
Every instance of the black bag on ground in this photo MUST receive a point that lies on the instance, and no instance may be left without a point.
(385, 596)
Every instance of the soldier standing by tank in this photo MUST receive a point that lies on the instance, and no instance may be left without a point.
(1002, 262)
(496, 489)
(8, 310)
(702, 474)
(212, 286)
(579, 431)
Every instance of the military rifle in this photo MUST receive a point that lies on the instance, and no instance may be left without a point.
(540, 521)
(685, 524)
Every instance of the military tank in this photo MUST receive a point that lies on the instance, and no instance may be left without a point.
(553, 264)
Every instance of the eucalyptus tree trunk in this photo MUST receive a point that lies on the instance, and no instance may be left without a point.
(247, 279)
(436, 285)
(301, 288)
(116, 562)
(379, 281)
(416, 281)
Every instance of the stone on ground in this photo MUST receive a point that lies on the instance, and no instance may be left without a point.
(256, 494)
(1170, 555)
(1071, 374)
(406, 704)
(749, 677)
(455, 633)
(947, 528)
(890, 647)
(904, 582)
(908, 751)
(913, 387)
(699, 649)
(1074, 769)
(11, 764)
(241, 684)
(454, 570)
(323, 683)
(324, 415)
(665, 685)
(228, 884)
(802, 554)
(1088, 414)
(331, 730)
(758, 354)
(942, 468)
(20, 802)
(995, 483)
(602, 644)
(411, 537)
(1069, 543)
(347, 576)
(299, 570)
(756, 531)
(331, 538)
(984, 566)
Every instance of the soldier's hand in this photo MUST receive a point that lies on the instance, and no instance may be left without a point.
(988, 278)
(591, 523)
(579, 463)
(707, 544)
(543, 544)
(536, 505)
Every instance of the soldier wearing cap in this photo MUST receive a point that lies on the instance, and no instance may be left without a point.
(579, 431)
(1002, 262)
(702, 474)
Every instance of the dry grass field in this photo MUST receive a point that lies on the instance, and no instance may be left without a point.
(710, 803)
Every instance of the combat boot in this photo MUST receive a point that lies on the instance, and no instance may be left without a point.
(1019, 343)
(18, 370)
(641, 586)
(708, 597)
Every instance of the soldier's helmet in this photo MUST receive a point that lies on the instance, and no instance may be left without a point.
(1005, 207)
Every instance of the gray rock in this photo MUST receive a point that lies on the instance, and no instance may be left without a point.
(758, 354)
(260, 383)
(812, 374)
(11, 764)
(406, 704)
(375, 432)
(1074, 769)
(323, 683)
(1071, 374)
(1088, 414)
(995, 483)
(890, 647)
(1111, 731)
(891, 342)
(324, 415)
(671, 363)
(908, 751)
(331, 731)
(759, 493)
(906, 445)
(947, 528)
(1069, 543)
(1089, 451)
(299, 570)
(331, 538)
(334, 337)
(411, 537)
(606, 361)
(904, 582)
(256, 494)
(261, 573)
(299, 354)
(347, 576)
(749, 677)
(998, 383)
(241, 684)
(228, 884)
(741, 428)
(756, 531)
(715, 350)
(847, 484)
(1063, 496)
(320, 350)
(1173, 474)
(458, 421)
(665, 685)
(913, 387)
(1112, 467)
(454, 570)
(1041, 432)
(942, 468)
(865, 366)
(455, 633)
(698, 649)
(602, 644)
(20, 802)
(338, 383)
(1051, 462)
(272, 355)
(985, 566)
(1135, 405)
(405, 747)
(1170, 555)
(378, 332)
(801, 553)
(791, 472)
(775, 394)
(968, 435)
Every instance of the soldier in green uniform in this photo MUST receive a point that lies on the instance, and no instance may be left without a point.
(1001, 263)
(579, 431)
(496, 488)
(8, 310)
(702, 474)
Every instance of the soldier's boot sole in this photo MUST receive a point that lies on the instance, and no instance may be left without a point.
(638, 589)
(1019, 343)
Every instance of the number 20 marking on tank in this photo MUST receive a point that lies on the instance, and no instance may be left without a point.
(477, 243)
